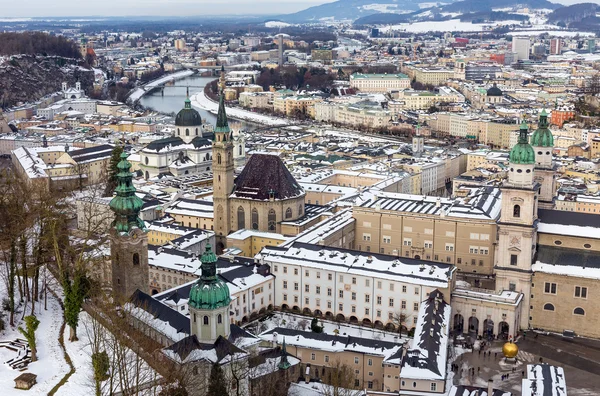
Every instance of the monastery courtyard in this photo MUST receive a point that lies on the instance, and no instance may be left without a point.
(579, 358)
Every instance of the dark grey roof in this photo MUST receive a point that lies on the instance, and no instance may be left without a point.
(222, 346)
(565, 256)
(265, 173)
(464, 390)
(160, 144)
(549, 216)
(160, 311)
(91, 153)
(202, 141)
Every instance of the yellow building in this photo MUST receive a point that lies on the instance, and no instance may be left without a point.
(248, 243)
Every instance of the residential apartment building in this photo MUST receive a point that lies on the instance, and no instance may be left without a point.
(379, 82)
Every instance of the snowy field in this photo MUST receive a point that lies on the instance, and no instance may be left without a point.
(201, 101)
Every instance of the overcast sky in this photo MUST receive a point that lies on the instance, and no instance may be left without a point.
(41, 8)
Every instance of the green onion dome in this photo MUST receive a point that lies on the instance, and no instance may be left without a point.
(522, 153)
(542, 137)
(209, 292)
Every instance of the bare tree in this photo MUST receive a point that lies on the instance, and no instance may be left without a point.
(340, 379)
(399, 320)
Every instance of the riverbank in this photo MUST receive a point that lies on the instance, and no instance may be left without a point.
(202, 101)
(142, 90)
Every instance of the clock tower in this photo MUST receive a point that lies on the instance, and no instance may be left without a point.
(517, 227)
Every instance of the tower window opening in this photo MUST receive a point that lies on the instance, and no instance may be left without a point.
(136, 259)
(516, 211)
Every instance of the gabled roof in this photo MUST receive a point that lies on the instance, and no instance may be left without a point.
(265, 173)
(160, 311)
(216, 352)
(160, 144)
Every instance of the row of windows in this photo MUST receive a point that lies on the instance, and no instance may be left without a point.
(576, 311)
(552, 288)
(271, 218)
(206, 319)
(585, 245)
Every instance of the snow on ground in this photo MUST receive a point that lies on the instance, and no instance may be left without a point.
(140, 91)
(200, 100)
(445, 26)
(51, 366)
(81, 382)
(276, 24)
(551, 32)
(292, 321)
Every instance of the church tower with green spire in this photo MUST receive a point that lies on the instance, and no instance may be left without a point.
(543, 145)
(209, 302)
(223, 166)
(128, 238)
(517, 226)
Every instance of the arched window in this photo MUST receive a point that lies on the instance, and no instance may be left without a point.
(136, 259)
(187, 132)
(240, 149)
(196, 131)
(146, 160)
(288, 213)
(579, 311)
(241, 218)
(230, 157)
(548, 307)
(299, 210)
(205, 319)
(254, 219)
(195, 370)
(219, 158)
(178, 132)
(272, 219)
(219, 319)
(516, 211)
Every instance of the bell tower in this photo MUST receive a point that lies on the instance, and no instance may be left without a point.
(517, 227)
(222, 165)
(128, 238)
(209, 302)
(543, 145)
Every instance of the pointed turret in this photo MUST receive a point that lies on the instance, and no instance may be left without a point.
(222, 123)
(126, 204)
(283, 362)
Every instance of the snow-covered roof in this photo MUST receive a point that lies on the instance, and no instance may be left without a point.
(426, 359)
(399, 269)
(544, 379)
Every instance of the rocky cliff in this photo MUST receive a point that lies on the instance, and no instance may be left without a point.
(27, 78)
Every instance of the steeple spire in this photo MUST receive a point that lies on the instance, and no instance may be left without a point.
(126, 204)
(523, 132)
(283, 363)
(188, 102)
(209, 265)
(222, 124)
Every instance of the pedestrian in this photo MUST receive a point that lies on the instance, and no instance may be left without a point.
(479, 351)
(541, 360)
(495, 355)
(478, 370)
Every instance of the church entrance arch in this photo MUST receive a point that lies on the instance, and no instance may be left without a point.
(459, 323)
(473, 325)
(417, 257)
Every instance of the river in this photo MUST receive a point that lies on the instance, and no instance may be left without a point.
(175, 94)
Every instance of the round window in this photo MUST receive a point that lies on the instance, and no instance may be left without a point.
(540, 153)
(587, 246)
(519, 170)
(557, 242)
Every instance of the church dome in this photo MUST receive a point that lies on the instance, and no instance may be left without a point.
(522, 153)
(542, 137)
(494, 91)
(187, 116)
(209, 292)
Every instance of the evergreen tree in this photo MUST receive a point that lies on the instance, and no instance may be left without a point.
(31, 325)
(314, 326)
(111, 182)
(216, 382)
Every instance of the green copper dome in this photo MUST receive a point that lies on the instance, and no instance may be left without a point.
(542, 137)
(187, 116)
(126, 204)
(522, 153)
(209, 292)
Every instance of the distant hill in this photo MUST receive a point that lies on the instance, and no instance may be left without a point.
(32, 43)
(489, 5)
(354, 9)
(573, 13)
